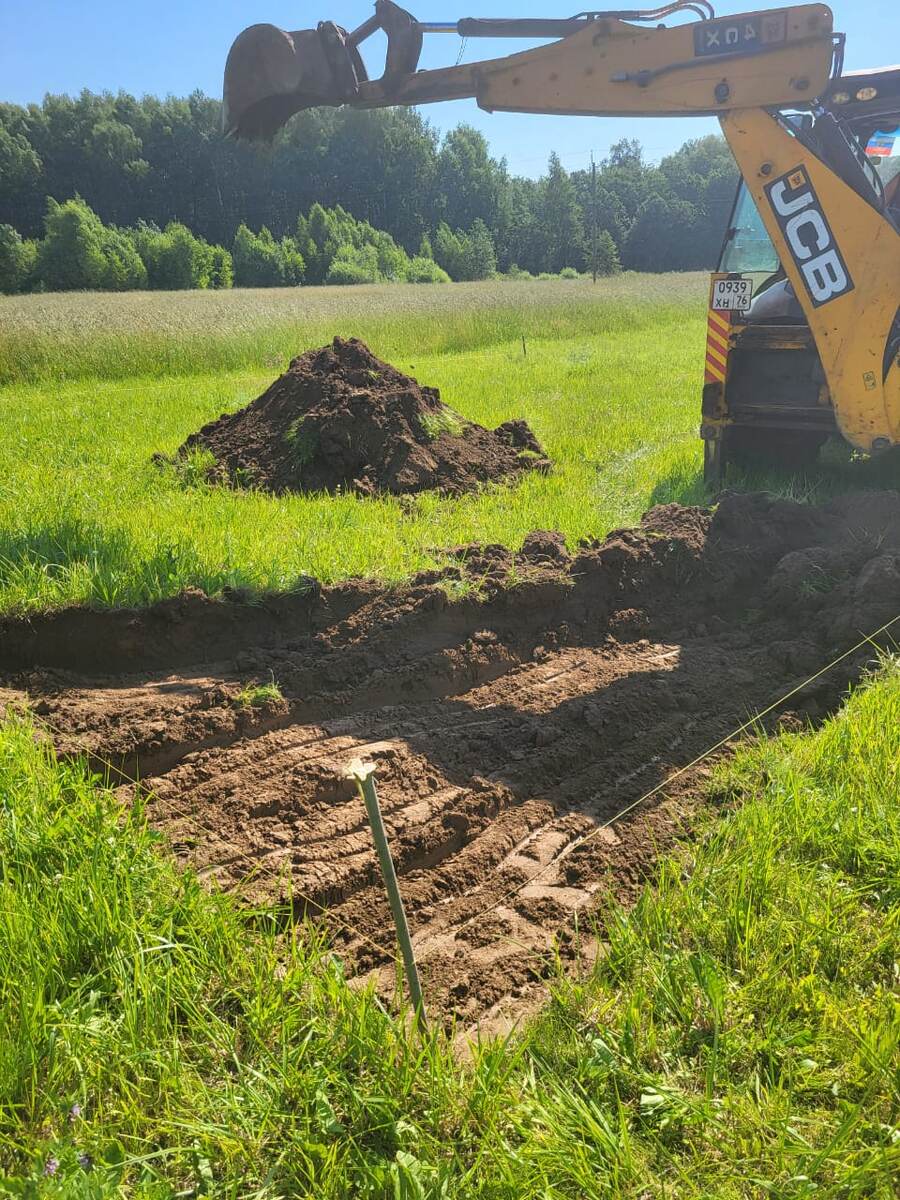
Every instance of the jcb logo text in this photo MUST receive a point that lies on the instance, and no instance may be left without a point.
(809, 237)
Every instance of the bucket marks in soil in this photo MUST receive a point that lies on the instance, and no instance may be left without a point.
(504, 730)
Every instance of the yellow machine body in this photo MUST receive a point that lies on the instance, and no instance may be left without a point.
(851, 299)
(623, 70)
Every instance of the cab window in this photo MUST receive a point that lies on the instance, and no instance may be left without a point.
(747, 245)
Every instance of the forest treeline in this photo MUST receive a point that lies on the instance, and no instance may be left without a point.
(151, 185)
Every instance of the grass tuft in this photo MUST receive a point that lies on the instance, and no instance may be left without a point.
(443, 421)
(303, 441)
(192, 470)
(257, 695)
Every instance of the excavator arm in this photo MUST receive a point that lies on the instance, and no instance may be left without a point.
(600, 64)
(838, 246)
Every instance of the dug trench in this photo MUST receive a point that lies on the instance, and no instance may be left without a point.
(508, 726)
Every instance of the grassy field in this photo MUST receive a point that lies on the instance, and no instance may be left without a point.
(94, 385)
(738, 1039)
(102, 383)
(107, 336)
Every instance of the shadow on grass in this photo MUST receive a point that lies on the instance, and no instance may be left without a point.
(838, 471)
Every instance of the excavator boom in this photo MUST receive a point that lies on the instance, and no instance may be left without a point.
(616, 63)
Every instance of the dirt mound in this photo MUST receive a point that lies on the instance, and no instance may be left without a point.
(507, 726)
(339, 419)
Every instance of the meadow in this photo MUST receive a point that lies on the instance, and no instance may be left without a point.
(97, 384)
(93, 385)
(738, 1037)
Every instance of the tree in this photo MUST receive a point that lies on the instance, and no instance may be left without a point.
(606, 258)
(481, 257)
(425, 270)
(320, 245)
(18, 260)
(70, 256)
(260, 261)
(703, 173)
(560, 220)
(293, 261)
(123, 270)
(601, 209)
(465, 256)
(221, 268)
(471, 185)
(175, 259)
(79, 252)
(519, 240)
(353, 264)
(163, 161)
(627, 152)
(650, 245)
(20, 172)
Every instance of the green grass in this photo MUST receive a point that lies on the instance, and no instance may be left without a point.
(609, 380)
(48, 338)
(86, 516)
(738, 1039)
(444, 421)
(740, 1036)
(256, 695)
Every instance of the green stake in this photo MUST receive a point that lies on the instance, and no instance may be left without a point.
(363, 775)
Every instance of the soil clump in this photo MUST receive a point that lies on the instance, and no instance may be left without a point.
(341, 420)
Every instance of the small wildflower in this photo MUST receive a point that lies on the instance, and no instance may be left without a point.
(75, 1111)
(51, 1166)
(85, 1162)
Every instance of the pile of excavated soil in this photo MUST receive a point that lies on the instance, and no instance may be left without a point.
(507, 726)
(339, 419)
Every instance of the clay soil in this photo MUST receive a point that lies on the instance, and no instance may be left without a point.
(340, 419)
(507, 726)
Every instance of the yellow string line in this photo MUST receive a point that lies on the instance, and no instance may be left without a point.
(572, 846)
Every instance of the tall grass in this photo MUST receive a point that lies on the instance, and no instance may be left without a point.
(739, 1038)
(105, 336)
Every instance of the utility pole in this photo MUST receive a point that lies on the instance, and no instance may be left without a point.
(593, 218)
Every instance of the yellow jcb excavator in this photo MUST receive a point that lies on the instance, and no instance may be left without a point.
(803, 337)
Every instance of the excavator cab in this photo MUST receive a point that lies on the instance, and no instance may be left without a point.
(765, 388)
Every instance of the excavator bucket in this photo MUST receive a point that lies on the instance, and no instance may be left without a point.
(272, 74)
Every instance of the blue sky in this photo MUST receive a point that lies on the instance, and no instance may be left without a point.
(167, 46)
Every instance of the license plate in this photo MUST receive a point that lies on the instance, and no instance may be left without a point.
(732, 294)
(740, 35)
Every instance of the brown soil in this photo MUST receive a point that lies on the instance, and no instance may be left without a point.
(505, 726)
(339, 419)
